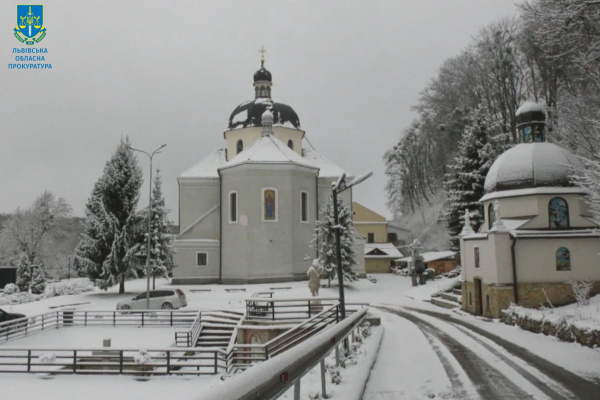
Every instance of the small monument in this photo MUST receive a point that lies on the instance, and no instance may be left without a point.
(314, 278)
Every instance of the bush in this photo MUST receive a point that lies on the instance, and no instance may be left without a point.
(38, 280)
(67, 288)
(11, 288)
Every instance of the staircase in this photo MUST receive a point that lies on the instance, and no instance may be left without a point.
(451, 298)
(217, 328)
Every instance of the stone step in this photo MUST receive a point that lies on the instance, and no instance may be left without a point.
(452, 297)
(443, 303)
(457, 291)
(218, 325)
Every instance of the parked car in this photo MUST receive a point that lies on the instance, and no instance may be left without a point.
(6, 316)
(165, 299)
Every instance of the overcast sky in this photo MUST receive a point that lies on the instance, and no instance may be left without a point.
(173, 71)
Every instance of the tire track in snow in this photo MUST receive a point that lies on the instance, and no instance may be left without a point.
(489, 383)
(549, 388)
(581, 388)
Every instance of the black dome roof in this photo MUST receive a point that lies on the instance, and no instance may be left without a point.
(263, 74)
(250, 114)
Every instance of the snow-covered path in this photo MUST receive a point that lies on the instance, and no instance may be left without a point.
(432, 355)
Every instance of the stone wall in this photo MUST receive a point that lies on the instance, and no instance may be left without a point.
(497, 298)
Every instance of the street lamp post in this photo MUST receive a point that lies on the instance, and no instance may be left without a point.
(339, 187)
(157, 151)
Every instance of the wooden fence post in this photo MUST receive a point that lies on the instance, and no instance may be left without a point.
(120, 361)
(215, 362)
(168, 362)
(28, 360)
(74, 361)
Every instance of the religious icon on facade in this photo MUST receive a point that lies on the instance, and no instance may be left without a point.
(270, 206)
(558, 213)
(563, 259)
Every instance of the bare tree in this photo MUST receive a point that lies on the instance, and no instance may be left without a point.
(37, 231)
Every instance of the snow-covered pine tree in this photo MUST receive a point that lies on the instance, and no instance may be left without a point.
(24, 273)
(38, 280)
(324, 242)
(106, 253)
(161, 247)
(480, 144)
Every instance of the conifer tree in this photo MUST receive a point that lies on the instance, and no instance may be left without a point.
(325, 243)
(161, 249)
(38, 279)
(106, 252)
(24, 273)
(480, 145)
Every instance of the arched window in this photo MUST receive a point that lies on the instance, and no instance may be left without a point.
(527, 136)
(233, 207)
(563, 259)
(291, 144)
(558, 213)
(491, 215)
(240, 146)
(304, 206)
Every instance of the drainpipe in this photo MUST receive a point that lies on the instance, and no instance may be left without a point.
(221, 224)
(514, 268)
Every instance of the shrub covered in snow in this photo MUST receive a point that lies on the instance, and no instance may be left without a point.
(11, 288)
(38, 280)
(70, 287)
(142, 357)
(47, 358)
(334, 374)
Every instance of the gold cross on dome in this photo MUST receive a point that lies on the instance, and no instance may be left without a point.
(262, 52)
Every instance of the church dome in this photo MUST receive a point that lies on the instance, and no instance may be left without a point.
(263, 74)
(531, 165)
(250, 114)
(530, 112)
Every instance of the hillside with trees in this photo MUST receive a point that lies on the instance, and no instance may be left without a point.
(549, 54)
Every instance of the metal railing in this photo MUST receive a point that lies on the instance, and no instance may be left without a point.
(272, 378)
(23, 327)
(111, 361)
(286, 309)
(243, 356)
(189, 338)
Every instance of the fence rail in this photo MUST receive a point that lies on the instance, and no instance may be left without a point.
(23, 327)
(193, 361)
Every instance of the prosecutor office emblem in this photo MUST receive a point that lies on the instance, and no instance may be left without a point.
(30, 24)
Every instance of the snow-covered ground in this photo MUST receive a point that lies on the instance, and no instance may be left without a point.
(425, 351)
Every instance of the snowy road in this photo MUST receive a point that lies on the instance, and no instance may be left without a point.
(426, 354)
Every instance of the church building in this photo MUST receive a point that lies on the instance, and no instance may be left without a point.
(537, 235)
(247, 212)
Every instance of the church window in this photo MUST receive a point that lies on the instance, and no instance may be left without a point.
(491, 215)
(202, 259)
(563, 259)
(477, 258)
(291, 144)
(538, 133)
(233, 207)
(558, 213)
(304, 206)
(370, 237)
(527, 137)
(240, 146)
(269, 204)
(256, 352)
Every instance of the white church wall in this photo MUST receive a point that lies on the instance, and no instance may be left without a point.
(536, 259)
(187, 270)
(267, 250)
(196, 197)
(252, 134)
(487, 270)
(205, 228)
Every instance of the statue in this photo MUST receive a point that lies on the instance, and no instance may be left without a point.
(314, 277)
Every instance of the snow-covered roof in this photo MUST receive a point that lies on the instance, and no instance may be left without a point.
(207, 167)
(532, 165)
(268, 149)
(388, 248)
(327, 169)
(533, 191)
(529, 106)
(431, 256)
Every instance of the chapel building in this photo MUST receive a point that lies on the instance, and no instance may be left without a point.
(538, 233)
(247, 212)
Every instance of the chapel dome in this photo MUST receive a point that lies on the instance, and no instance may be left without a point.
(263, 74)
(532, 165)
(529, 112)
(250, 113)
